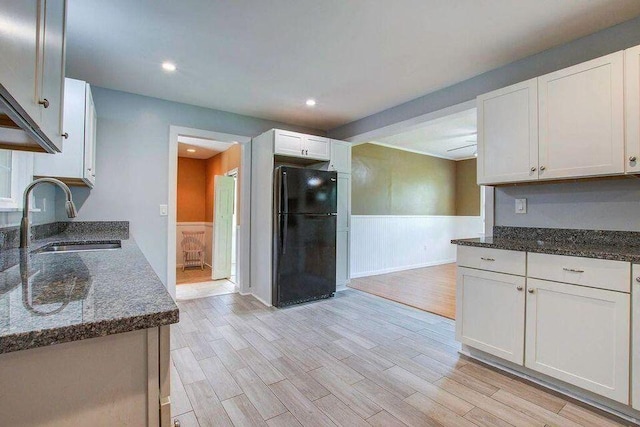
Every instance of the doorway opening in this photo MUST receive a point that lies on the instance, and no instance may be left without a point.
(206, 242)
(414, 190)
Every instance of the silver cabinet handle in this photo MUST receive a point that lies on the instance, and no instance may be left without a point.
(632, 158)
(176, 423)
(519, 288)
(531, 290)
(572, 270)
(306, 152)
(533, 169)
(638, 279)
(486, 259)
(44, 103)
(65, 135)
(302, 152)
(542, 168)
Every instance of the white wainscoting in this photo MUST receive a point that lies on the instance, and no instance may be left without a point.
(386, 243)
(207, 227)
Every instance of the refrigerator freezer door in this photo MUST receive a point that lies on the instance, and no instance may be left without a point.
(305, 265)
(307, 191)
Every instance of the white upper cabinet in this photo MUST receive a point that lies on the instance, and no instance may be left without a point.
(632, 109)
(51, 89)
(579, 335)
(340, 156)
(294, 144)
(581, 119)
(76, 163)
(490, 311)
(508, 134)
(317, 147)
(19, 42)
(32, 41)
(288, 143)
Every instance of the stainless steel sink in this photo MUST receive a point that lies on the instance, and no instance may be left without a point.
(66, 247)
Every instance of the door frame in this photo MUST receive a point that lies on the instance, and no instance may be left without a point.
(486, 192)
(244, 234)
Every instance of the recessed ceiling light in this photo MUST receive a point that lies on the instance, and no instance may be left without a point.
(191, 150)
(311, 102)
(168, 66)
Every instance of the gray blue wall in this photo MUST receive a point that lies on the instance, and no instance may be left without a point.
(133, 162)
(611, 205)
(603, 205)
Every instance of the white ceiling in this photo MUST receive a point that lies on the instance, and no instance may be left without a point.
(453, 137)
(205, 148)
(265, 58)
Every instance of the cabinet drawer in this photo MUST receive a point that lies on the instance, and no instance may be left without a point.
(502, 261)
(595, 273)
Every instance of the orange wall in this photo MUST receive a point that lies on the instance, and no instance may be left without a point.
(220, 164)
(192, 181)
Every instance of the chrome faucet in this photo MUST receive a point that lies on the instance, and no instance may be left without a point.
(25, 230)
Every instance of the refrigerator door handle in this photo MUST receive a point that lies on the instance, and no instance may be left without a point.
(283, 218)
(285, 191)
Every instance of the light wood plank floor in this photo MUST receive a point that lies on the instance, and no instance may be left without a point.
(353, 360)
(431, 289)
(193, 275)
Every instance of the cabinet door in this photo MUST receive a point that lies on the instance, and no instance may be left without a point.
(344, 198)
(90, 123)
(582, 119)
(490, 312)
(340, 157)
(508, 134)
(21, 21)
(316, 147)
(579, 335)
(632, 109)
(289, 143)
(635, 342)
(69, 163)
(342, 258)
(52, 85)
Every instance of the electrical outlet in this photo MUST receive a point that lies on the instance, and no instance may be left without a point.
(164, 210)
(521, 206)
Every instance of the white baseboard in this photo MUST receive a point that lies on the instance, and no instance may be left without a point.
(402, 268)
(256, 297)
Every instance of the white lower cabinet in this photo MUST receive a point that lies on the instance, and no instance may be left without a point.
(579, 335)
(490, 312)
(342, 259)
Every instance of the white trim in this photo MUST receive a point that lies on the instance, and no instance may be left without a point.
(410, 124)
(410, 150)
(245, 142)
(403, 268)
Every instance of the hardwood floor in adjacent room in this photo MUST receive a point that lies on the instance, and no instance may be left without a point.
(193, 275)
(432, 289)
(352, 360)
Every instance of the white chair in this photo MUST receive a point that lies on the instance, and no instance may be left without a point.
(193, 249)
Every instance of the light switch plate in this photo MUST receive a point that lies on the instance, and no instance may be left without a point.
(521, 206)
(164, 210)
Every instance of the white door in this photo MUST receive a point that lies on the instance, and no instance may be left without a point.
(317, 147)
(632, 109)
(288, 143)
(635, 342)
(490, 312)
(222, 226)
(508, 134)
(579, 335)
(582, 120)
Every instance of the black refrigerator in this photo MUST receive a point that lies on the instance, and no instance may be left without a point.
(304, 240)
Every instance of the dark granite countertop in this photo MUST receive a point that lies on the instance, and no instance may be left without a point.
(52, 298)
(611, 245)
